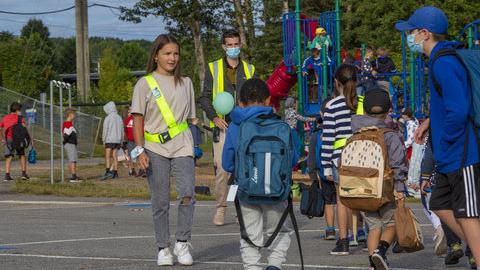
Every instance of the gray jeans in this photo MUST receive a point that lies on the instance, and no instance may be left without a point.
(253, 218)
(159, 170)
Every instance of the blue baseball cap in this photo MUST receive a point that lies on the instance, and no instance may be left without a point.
(431, 18)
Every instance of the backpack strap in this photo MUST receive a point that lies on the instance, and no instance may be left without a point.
(19, 121)
(288, 211)
(446, 52)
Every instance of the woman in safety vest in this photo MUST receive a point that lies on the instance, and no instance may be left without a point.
(164, 100)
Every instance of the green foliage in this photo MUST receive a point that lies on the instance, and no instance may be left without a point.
(35, 26)
(115, 83)
(25, 65)
(6, 36)
(65, 55)
(132, 56)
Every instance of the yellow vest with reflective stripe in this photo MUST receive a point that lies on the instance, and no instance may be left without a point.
(360, 111)
(173, 128)
(217, 70)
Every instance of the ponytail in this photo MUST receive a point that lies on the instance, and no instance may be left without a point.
(346, 75)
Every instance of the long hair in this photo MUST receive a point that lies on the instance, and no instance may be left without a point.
(158, 44)
(346, 75)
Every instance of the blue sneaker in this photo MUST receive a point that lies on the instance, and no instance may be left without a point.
(352, 242)
(330, 234)
(361, 236)
(271, 267)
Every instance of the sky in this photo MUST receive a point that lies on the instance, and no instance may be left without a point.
(102, 22)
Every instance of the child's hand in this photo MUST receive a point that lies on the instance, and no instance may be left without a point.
(423, 186)
(399, 195)
(329, 177)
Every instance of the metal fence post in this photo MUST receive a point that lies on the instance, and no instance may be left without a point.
(62, 164)
(51, 132)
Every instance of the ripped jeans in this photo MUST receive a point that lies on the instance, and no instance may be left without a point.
(183, 171)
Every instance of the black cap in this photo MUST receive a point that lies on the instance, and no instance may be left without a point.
(377, 101)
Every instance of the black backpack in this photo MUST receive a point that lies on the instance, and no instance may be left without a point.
(20, 136)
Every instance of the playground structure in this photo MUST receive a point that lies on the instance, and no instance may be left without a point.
(407, 87)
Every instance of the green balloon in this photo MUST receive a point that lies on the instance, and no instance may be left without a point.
(223, 103)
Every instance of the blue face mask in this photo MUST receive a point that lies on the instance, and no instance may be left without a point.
(415, 47)
(233, 52)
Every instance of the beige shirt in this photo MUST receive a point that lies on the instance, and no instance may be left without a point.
(181, 99)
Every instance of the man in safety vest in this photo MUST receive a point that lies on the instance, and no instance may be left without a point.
(225, 74)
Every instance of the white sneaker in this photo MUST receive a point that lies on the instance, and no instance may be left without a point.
(165, 257)
(440, 241)
(182, 251)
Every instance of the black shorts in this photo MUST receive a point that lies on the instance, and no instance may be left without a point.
(9, 151)
(458, 191)
(329, 192)
(113, 145)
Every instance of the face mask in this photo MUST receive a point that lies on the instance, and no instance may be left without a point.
(233, 52)
(415, 47)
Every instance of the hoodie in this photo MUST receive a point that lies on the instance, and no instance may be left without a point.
(449, 113)
(395, 148)
(112, 125)
(239, 115)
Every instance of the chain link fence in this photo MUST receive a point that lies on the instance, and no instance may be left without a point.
(37, 116)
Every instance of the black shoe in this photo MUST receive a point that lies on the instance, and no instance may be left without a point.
(272, 268)
(472, 262)
(397, 248)
(115, 174)
(25, 177)
(341, 248)
(379, 258)
(75, 179)
(454, 253)
(8, 178)
(132, 173)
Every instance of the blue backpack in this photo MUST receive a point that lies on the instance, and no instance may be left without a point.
(263, 170)
(263, 160)
(470, 59)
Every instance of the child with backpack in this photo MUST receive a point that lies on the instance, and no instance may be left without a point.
(15, 138)
(315, 171)
(257, 137)
(381, 223)
(70, 143)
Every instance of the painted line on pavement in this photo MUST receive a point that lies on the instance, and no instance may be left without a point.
(128, 237)
(196, 262)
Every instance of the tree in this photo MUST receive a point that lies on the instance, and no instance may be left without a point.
(240, 20)
(187, 18)
(132, 56)
(25, 65)
(116, 83)
(65, 59)
(35, 26)
(6, 36)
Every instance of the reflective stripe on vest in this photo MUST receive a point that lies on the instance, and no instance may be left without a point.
(217, 71)
(173, 128)
(360, 111)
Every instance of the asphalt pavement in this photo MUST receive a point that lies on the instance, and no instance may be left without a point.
(47, 232)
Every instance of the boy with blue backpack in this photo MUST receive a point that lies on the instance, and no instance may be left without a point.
(259, 152)
(453, 124)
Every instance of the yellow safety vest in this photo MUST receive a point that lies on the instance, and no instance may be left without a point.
(173, 128)
(360, 111)
(217, 71)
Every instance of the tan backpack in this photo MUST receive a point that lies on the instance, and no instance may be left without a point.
(366, 180)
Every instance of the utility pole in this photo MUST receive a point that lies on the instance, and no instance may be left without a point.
(82, 51)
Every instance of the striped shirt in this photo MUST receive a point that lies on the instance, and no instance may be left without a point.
(336, 125)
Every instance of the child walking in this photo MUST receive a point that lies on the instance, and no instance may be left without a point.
(112, 137)
(254, 100)
(70, 143)
(162, 103)
(381, 223)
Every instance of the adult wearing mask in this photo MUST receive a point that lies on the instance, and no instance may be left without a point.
(225, 74)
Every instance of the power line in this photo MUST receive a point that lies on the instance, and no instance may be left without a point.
(56, 11)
